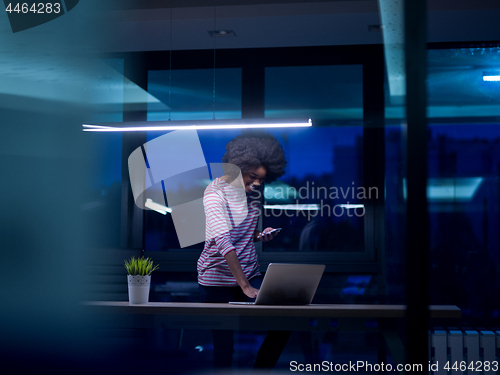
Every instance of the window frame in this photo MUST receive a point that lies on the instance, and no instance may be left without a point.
(253, 63)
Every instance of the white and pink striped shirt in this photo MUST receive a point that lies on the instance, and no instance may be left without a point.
(231, 219)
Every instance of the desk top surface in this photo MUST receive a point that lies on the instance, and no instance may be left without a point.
(226, 309)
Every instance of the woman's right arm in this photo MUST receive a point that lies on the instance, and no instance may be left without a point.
(241, 279)
(218, 229)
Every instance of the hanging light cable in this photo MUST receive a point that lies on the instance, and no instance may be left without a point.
(196, 124)
(170, 69)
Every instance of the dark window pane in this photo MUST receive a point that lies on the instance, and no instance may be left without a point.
(190, 94)
(313, 202)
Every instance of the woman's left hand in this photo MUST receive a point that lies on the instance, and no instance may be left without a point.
(265, 236)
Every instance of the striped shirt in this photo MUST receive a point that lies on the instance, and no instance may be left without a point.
(231, 218)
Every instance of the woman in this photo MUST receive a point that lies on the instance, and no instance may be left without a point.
(228, 268)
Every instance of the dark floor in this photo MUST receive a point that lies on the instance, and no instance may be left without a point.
(157, 350)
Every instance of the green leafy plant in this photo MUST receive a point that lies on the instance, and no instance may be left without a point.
(140, 266)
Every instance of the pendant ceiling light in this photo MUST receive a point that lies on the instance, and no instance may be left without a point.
(197, 124)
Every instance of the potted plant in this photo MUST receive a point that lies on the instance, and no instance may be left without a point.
(139, 279)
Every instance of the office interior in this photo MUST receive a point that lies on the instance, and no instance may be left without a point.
(69, 218)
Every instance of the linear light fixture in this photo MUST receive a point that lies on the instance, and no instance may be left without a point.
(157, 207)
(491, 76)
(197, 125)
(351, 206)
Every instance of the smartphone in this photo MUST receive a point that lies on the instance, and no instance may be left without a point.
(275, 230)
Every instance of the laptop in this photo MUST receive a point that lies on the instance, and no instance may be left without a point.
(288, 284)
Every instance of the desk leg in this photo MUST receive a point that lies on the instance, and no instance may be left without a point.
(394, 342)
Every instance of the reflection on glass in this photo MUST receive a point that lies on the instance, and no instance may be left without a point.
(160, 233)
(464, 218)
(101, 205)
(189, 94)
(324, 171)
(319, 92)
(456, 86)
(450, 189)
(462, 186)
(313, 200)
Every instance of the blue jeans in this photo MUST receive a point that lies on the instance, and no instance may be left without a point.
(270, 349)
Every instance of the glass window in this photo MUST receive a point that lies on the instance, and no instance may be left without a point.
(463, 198)
(462, 187)
(319, 92)
(188, 94)
(460, 84)
(395, 212)
(160, 232)
(102, 206)
(319, 200)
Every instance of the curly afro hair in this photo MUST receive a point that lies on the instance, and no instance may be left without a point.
(251, 151)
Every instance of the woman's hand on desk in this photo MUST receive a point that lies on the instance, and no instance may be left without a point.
(250, 291)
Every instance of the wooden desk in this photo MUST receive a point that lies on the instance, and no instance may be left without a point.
(188, 315)
(227, 310)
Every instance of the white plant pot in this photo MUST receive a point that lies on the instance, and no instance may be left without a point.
(138, 289)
